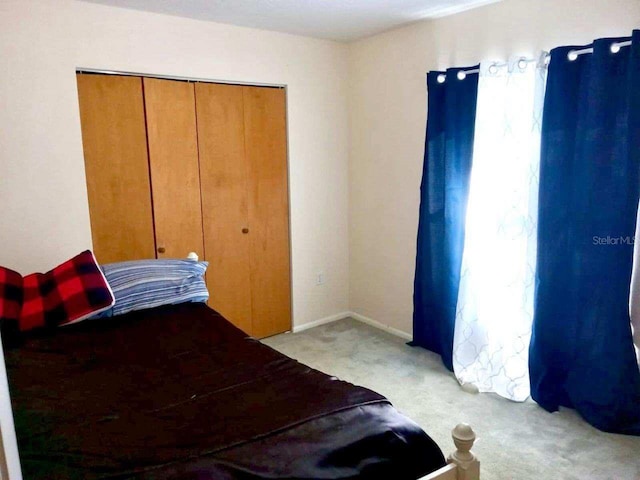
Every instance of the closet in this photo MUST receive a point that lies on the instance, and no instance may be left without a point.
(175, 166)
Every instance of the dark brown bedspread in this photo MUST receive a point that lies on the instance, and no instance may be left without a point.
(179, 393)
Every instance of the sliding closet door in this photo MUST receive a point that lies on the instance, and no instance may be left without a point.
(116, 166)
(173, 157)
(223, 173)
(266, 153)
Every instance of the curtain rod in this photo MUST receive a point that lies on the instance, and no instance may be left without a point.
(493, 68)
(615, 48)
(462, 74)
(522, 63)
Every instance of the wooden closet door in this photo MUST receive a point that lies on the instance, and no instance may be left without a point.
(223, 173)
(173, 157)
(116, 165)
(266, 152)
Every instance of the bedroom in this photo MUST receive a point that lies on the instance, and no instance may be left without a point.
(356, 118)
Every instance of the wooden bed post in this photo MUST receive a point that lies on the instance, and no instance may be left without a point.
(461, 464)
(466, 461)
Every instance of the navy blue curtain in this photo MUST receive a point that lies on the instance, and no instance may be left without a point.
(581, 352)
(444, 191)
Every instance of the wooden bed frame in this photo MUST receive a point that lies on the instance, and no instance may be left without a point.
(462, 464)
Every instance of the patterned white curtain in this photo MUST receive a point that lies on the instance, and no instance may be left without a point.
(495, 300)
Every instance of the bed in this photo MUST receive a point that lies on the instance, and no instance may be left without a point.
(177, 392)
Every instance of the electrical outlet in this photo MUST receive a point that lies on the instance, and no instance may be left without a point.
(320, 278)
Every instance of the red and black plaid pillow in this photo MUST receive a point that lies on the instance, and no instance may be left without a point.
(71, 292)
(10, 294)
(10, 303)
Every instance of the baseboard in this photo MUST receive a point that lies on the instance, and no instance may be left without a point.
(381, 326)
(322, 321)
(355, 316)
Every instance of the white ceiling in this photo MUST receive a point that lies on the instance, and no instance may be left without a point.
(342, 20)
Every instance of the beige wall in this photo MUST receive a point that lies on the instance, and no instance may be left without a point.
(44, 217)
(388, 114)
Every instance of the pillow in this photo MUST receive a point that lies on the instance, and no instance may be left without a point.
(71, 292)
(10, 294)
(141, 284)
(10, 304)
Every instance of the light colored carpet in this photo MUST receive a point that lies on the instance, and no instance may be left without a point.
(519, 441)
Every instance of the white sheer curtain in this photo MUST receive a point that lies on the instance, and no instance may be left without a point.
(495, 300)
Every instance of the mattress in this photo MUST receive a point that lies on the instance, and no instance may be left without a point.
(177, 392)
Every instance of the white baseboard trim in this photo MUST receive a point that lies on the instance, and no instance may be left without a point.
(355, 316)
(381, 326)
(322, 321)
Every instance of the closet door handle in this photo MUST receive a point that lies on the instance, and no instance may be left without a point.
(245, 230)
(161, 250)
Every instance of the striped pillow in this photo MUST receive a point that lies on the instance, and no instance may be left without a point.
(141, 284)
